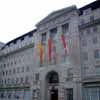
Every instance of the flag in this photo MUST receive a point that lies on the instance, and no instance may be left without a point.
(64, 43)
(40, 51)
(69, 44)
(54, 53)
(49, 49)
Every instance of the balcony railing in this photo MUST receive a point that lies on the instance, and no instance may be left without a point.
(91, 78)
(90, 23)
(22, 85)
(6, 52)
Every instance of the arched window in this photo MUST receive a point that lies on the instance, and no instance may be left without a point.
(52, 77)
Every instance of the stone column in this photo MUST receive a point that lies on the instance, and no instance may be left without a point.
(43, 90)
(46, 50)
(77, 90)
(75, 56)
(59, 31)
(43, 85)
(58, 45)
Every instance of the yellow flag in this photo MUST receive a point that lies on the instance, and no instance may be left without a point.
(40, 51)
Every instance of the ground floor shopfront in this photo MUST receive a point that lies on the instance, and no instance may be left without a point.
(55, 92)
(91, 91)
(15, 94)
(53, 87)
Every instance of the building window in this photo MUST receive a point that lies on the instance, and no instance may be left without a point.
(27, 69)
(4, 65)
(6, 72)
(3, 73)
(36, 76)
(10, 72)
(22, 69)
(91, 18)
(82, 21)
(87, 11)
(17, 80)
(14, 71)
(9, 96)
(11, 63)
(9, 81)
(5, 81)
(2, 95)
(85, 56)
(21, 80)
(84, 43)
(26, 79)
(95, 29)
(1, 81)
(88, 31)
(30, 34)
(95, 40)
(97, 54)
(15, 42)
(65, 28)
(69, 94)
(69, 74)
(97, 69)
(91, 93)
(43, 37)
(8, 64)
(18, 69)
(22, 38)
(15, 62)
(53, 32)
(82, 33)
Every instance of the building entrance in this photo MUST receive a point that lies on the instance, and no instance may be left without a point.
(54, 94)
(52, 84)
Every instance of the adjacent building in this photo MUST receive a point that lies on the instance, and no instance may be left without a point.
(68, 42)
(1, 44)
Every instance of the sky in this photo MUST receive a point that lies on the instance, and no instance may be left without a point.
(18, 17)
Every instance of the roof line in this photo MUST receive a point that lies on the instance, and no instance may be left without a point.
(14, 40)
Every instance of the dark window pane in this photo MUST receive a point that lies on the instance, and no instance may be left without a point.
(37, 76)
(95, 40)
(65, 28)
(53, 32)
(91, 18)
(69, 94)
(94, 29)
(84, 43)
(43, 37)
(97, 53)
(88, 31)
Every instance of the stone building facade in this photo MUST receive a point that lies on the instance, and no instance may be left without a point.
(71, 76)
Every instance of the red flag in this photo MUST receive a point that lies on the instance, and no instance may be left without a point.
(64, 43)
(49, 49)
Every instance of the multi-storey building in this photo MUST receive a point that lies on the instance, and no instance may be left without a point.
(1, 44)
(89, 29)
(70, 75)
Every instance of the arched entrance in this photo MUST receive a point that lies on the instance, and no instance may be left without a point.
(52, 79)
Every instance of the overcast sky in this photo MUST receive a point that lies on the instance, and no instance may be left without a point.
(17, 17)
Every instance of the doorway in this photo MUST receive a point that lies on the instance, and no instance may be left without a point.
(52, 81)
(54, 94)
